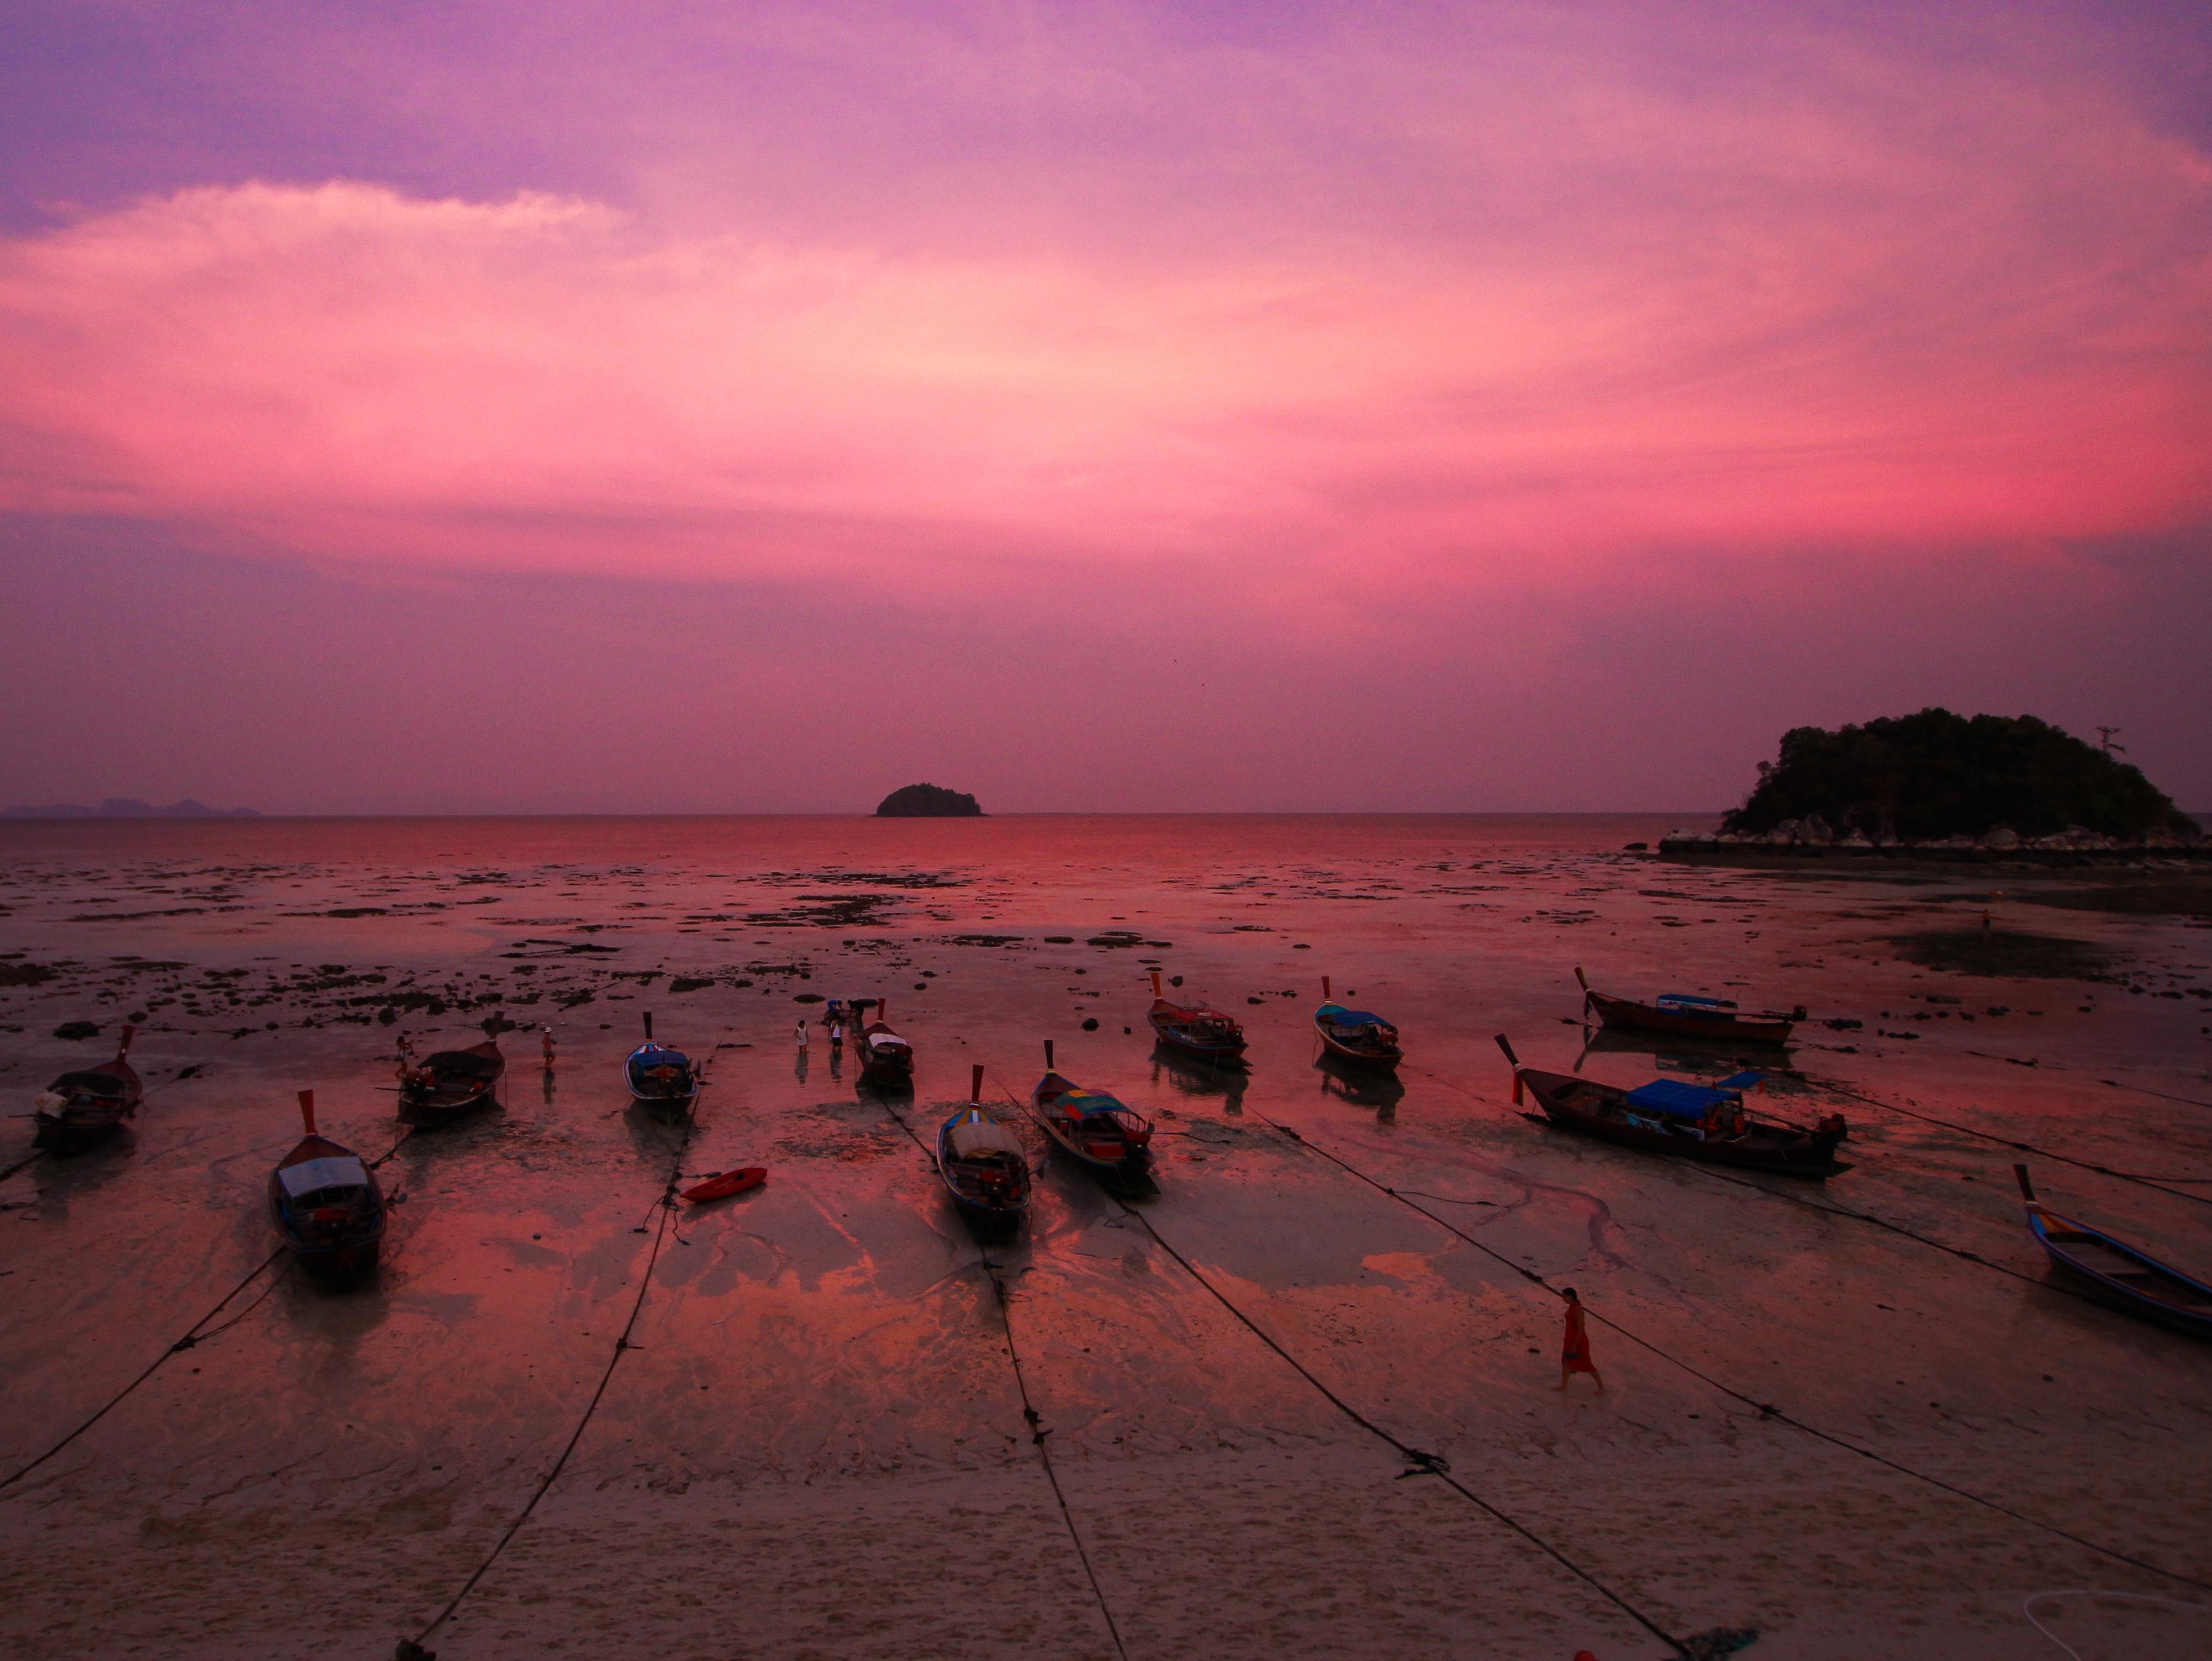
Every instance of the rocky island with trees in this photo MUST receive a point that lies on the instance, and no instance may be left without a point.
(927, 801)
(1940, 785)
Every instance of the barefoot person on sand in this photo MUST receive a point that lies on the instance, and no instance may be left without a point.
(1575, 1356)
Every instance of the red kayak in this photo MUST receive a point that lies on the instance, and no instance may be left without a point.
(721, 1185)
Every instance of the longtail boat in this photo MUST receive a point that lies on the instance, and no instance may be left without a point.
(660, 1077)
(983, 1164)
(449, 1082)
(326, 1204)
(1685, 1121)
(82, 1107)
(885, 1058)
(1108, 1137)
(1686, 1015)
(1194, 1029)
(1356, 1036)
(2116, 1273)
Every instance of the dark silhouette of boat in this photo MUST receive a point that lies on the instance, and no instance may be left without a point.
(2116, 1273)
(82, 1107)
(984, 1165)
(1194, 1029)
(886, 1059)
(659, 1077)
(448, 1083)
(1685, 1015)
(1105, 1135)
(326, 1204)
(1683, 1121)
(1356, 1036)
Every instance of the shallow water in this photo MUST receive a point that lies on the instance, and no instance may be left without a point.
(834, 1343)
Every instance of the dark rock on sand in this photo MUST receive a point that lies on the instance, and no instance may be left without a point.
(76, 1030)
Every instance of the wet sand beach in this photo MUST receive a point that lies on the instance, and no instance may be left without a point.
(1860, 1416)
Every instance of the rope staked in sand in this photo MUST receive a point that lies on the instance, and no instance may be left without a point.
(2027, 1608)
(1029, 1414)
(1766, 1409)
(193, 1336)
(2030, 1147)
(413, 1647)
(1420, 1462)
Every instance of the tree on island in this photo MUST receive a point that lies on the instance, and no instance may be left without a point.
(927, 801)
(1917, 778)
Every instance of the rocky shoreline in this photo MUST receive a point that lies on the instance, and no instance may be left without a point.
(1813, 838)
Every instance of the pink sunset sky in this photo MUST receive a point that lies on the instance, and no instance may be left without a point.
(562, 407)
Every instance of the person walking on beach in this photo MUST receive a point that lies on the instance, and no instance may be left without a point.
(802, 1034)
(1575, 1354)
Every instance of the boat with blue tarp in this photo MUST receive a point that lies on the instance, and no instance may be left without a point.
(659, 1076)
(2116, 1273)
(1358, 1035)
(1689, 1015)
(1709, 1122)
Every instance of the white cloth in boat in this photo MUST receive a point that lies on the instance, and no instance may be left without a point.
(311, 1175)
(972, 1137)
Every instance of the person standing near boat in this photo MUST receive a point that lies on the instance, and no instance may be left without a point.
(1575, 1353)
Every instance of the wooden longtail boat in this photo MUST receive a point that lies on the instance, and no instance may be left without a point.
(659, 1077)
(1110, 1138)
(1354, 1035)
(1684, 1015)
(983, 1164)
(1684, 1120)
(326, 1204)
(82, 1107)
(449, 1082)
(2116, 1272)
(1193, 1029)
(885, 1058)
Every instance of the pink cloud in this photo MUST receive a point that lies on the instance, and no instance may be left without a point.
(1544, 310)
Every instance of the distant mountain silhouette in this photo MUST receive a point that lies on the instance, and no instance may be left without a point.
(927, 801)
(127, 808)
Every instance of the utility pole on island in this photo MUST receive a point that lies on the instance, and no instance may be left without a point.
(2106, 744)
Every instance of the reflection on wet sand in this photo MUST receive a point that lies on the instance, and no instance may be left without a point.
(820, 1380)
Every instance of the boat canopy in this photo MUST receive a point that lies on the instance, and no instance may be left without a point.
(1091, 1103)
(1690, 1001)
(100, 1084)
(973, 1135)
(886, 1037)
(1683, 1101)
(464, 1063)
(1750, 1081)
(653, 1054)
(333, 1170)
(1338, 1015)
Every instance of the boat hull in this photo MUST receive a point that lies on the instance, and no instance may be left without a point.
(2126, 1272)
(1574, 1104)
(1376, 1060)
(1622, 1014)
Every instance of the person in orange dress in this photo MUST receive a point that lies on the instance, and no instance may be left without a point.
(1575, 1355)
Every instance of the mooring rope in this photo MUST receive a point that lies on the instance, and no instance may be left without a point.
(1420, 1462)
(1766, 1409)
(2022, 1148)
(193, 1337)
(411, 1649)
(1029, 1414)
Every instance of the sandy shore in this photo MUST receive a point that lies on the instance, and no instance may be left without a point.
(817, 1446)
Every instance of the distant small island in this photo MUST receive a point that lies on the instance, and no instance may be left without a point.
(1935, 780)
(125, 808)
(927, 801)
